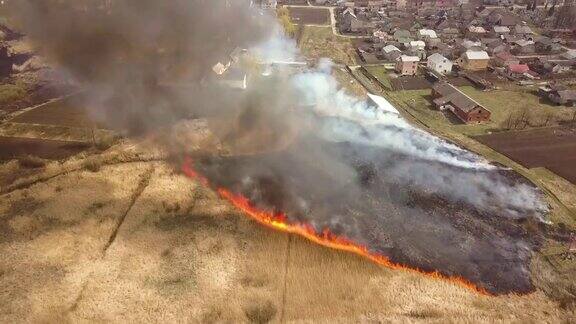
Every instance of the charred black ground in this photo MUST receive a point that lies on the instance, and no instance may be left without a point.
(412, 225)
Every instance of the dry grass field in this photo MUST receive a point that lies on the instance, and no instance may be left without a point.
(138, 241)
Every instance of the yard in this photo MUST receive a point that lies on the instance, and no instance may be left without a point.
(508, 106)
(318, 42)
(381, 74)
(510, 110)
(310, 16)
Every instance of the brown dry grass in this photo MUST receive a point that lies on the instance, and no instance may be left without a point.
(182, 254)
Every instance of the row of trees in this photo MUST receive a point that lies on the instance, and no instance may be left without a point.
(524, 118)
(286, 22)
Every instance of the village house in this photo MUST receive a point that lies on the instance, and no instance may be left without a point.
(502, 18)
(569, 54)
(546, 45)
(391, 52)
(268, 4)
(524, 31)
(418, 44)
(501, 30)
(475, 32)
(426, 34)
(363, 27)
(468, 45)
(232, 77)
(439, 64)
(407, 65)
(505, 59)
(474, 60)
(523, 47)
(558, 67)
(559, 95)
(447, 97)
(496, 46)
(402, 36)
(546, 66)
(517, 70)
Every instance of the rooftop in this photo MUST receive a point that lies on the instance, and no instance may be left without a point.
(451, 94)
(477, 55)
(406, 58)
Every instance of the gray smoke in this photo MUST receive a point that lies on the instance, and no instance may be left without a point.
(124, 51)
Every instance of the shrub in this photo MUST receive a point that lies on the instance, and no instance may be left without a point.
(12, 92)
(92, 165)
(260, 312)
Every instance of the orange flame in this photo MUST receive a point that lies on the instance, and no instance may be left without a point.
(278, 221)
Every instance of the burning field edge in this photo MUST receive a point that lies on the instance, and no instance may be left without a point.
(278, 221)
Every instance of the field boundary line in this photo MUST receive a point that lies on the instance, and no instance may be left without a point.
(78, 168)
(142, 185)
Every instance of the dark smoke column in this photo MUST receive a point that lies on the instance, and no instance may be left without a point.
(121, 50)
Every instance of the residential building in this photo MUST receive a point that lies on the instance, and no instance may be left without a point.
(501, 30)
(407, 65)
(517, 70)
(523, 47)
(439, 64)
(474, 60)
(558, 95)
(448, 97)
(505, 59)
(391, 52)
(426, 34)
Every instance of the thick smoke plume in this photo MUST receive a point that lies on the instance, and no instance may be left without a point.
(298, 143)
(122, 51)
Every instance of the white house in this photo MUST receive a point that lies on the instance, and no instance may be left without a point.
(440, 64)
(391, 52)
(417, 45)
(427, 34)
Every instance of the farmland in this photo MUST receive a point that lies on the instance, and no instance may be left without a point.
(13, 148)
(69, 112)
(310, 16)
(554, 149)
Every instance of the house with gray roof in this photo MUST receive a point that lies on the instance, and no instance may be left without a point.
(448, 97)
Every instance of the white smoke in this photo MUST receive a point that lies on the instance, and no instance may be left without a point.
(477, 182)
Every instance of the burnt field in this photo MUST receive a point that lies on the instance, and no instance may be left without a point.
(554, 149)
(310, 16)
(13, 148)
(398, 207)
